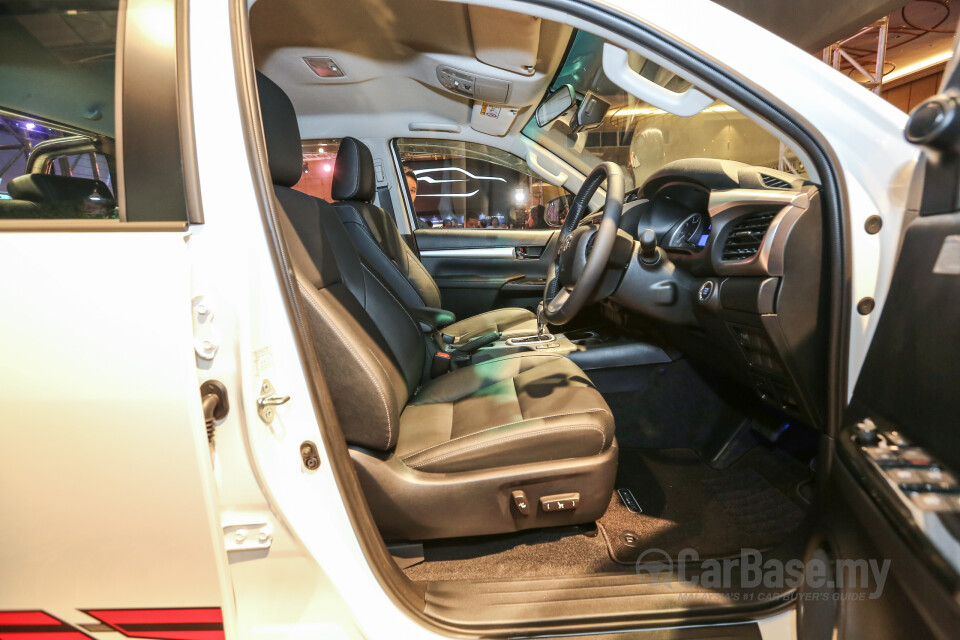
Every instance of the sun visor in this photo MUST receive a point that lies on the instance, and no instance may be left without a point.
(492, 119)
(505, 39)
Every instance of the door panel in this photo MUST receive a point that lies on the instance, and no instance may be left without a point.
(907, 502)
(892, 492)
(482, 269)
(107, 481)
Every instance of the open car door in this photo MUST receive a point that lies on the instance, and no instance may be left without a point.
(889, 550)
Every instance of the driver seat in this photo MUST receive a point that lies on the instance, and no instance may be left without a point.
(489, 448)
(377, 238)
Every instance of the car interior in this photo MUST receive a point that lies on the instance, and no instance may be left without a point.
(565, 329)
(545, 391)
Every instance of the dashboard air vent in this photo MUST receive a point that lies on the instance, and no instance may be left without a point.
(746, 235)
(773, 183)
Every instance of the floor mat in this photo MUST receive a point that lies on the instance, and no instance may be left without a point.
(686, 504)
(562, 551)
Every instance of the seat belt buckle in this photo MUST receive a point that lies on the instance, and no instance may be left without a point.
(440, 364)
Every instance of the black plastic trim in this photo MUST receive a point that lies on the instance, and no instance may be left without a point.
(148, 111)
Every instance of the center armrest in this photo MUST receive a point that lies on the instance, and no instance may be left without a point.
(431, 319)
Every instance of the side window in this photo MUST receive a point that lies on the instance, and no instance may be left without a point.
(319, 157)
(462, 185)
(57, 111)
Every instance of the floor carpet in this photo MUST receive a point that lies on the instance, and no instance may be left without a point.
(686, 504)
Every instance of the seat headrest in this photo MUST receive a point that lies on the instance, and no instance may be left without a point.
(353, 177)
(281, 131)
(45, 188)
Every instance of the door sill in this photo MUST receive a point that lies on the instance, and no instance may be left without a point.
(593, 602)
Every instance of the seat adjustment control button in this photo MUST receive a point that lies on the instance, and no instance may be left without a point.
(560, 502)
(520, 500)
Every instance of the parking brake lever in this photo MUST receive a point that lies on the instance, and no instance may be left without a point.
(475, 343)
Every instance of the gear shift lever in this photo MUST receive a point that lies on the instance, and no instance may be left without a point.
(541, 321)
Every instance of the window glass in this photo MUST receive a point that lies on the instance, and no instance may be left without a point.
(642, 138)
(319, 157)
(462, 185)
(57, 69)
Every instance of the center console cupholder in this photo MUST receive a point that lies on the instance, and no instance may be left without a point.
(584, 342)
(581, 334)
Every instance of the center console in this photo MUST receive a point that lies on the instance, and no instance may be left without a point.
(593, 350)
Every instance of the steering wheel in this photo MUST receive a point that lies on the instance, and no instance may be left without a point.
(582, 252)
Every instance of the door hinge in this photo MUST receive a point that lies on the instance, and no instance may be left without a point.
(206, 340)
(247, 534)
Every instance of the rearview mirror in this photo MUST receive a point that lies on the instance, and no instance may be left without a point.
(555, 105)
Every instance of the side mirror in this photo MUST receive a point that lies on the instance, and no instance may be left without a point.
(555, 105)
(556, 211)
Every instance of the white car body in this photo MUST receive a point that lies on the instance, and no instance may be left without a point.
(111, 498)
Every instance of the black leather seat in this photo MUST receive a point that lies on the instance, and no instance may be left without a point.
(40, 195)
(375, 233)
(441, 457)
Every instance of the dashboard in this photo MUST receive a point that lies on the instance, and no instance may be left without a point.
(741, 286)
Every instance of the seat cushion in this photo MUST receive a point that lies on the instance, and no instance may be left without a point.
(510, 321)
(507, 411)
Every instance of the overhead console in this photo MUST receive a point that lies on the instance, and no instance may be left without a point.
(741, 281)
(472, 85)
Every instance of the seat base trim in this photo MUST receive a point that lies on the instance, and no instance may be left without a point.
(414, 505)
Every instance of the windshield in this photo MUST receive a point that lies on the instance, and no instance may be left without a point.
(642, 138)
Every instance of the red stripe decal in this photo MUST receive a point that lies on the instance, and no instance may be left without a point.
(136, 623)
(143, 616)
(176, 635)
(26, 617)
(44, 635)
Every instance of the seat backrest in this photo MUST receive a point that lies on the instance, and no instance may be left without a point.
(63, 196)
(374, 231)
(371, 349)
(20, 210)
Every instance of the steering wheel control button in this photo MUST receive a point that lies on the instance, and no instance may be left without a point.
(706, 290)
(520, 501)
(560, 502)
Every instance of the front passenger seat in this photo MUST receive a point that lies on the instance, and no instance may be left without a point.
(376, 236)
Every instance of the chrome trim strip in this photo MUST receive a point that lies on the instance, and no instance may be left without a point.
(491, 252)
